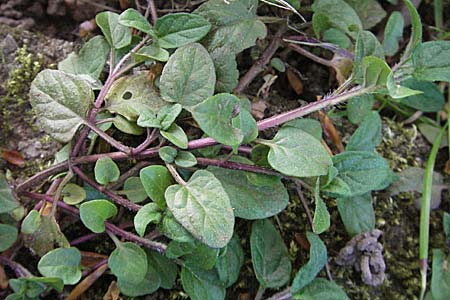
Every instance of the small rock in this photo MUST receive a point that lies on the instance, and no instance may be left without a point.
(8, 45)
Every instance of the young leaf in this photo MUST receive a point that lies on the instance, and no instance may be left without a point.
(321, 221)
(359, 107)
(446, 225)
(61, 102)
(440, 279)
(168, 114)
(31, 222)
(127, 126)
(90, 61)
(128, 262)
(432, 61)
(370, 12)
(7, 201)
(147, 118)
(229, 265)
(368, 134)
(359, 173)
(251, 201)
(203, 208)
(176, 135)
(32, 287)
(431, 100)
(188, 77)
(62, 263)
(176, 249)
(201, 284)
(173, 230)
(179, 29)
(270, 256)
(134, 190)
(247, 124)
(393, 33)
(129, 93)
(148, 213)
(397, 91)
(117, 35)
(94, 213)
(296, 153)
(156, 179)
(214, 117)
(150, 52)
(165, 267)
(168, 154)
(375, 72)
(416, 31)
(8, 236)
(185, 159)
(147, 286)
(317, 260)
(202, 256)
(106, 170)
(367, 44)
(321, 289)
(132, 18)
(311, 126)
(73, 194)
(357, 213)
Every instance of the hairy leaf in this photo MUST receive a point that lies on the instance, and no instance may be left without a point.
(321, 289)
(63, 263)
(440, 279)
(132, 18)
(156, 179)
(393, 33)
(358, 108)
(228, 266)
(200, 284)
(431, 100)
(7, 201)
(432, 61)
(117, 35)
(147, 214)
(176, 135)
(166, 268)
(357, 213)
(129, 263)
(321, 220)
(368, 134)
(150, 52)
(8, 236)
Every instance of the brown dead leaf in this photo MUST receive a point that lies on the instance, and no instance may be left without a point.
(87, 27)
(91, 259)
(13, 157)
(343, 67)
(447, 167)
(302, 241)
(331, 131)
(154, 71)
(124, 4)
(87, 282)
(258, 109)
(3, 279)
(295, 81)
(244, 296)
(113, 292)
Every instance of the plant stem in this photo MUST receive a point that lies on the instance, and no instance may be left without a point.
(260, 293)
(116, 198)
(236, 166)
(83, 239)
(311, 56)
(160, 247)
(283, 295)
(425, 212)
(58, 192)
(113, 142)
(175, 174)
(18, 269)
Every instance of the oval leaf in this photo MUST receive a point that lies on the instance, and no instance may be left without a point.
(129, 263)
(148, 213)
(132, 18)
(7, 201)
(117, 35)
(94, 213)
(73, 194)
(134, 190)
(31, 222)
(62, 263)
(8, 236)
(106, 170)
(156, 179)
(228, 266)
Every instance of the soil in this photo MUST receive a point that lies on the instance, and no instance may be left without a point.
(55, 34)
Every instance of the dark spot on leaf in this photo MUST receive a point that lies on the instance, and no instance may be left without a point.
(127, 95)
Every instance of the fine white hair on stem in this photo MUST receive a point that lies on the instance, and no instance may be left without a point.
(284, 5)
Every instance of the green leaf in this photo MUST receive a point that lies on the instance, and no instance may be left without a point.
(168, 154)
(176, 135)
(73, 194)
(368, 134)
(94, 213)
(393, 33)
(168, 114)
(151, 282)
(31, 287)
(8, 236)
(150, 52)
(317, 260)
(311, 126)
(432, 61)
(370, 12)
(358, 108)
(156, 179)
(321, 289)
(214, 117)
(127, 126)
(117, 35)
(397, 91)
(367, 44)
(345, 18)
(63, 263)
(31, 222)
(202, 256)
(147, 214)
(278, 64)
(165, 267)
(147, 118)
(431, 100)
(247, 124)
(251, 201)
(188, 77)
(446, 225)
(201, 284)
(61, 101)
(203, 208)
(132, 18)
(7, 201)
(176, 249)
(129, 93)
(129, 263)
(440, 279)
(90, 60)
(416, 31)
(270, 256)
(228, 266)
(227, 74)
(173, 230)
(134, 190)
(185, 159)
(321, 221)
(106, 171)
(179, 29)
(357, 213)
(296, 153)
(337, 37)
(375, 72)
(359, 173)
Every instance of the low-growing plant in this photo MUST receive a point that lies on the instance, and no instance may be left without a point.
(198, 161)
